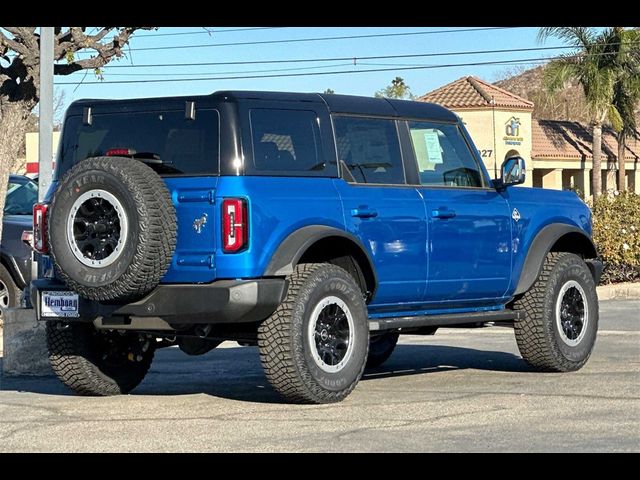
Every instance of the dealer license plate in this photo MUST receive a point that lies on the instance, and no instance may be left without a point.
(59, 304)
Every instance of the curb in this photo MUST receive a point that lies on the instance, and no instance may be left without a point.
(619, 291)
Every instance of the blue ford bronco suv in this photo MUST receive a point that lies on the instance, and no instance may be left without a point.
(317, 227)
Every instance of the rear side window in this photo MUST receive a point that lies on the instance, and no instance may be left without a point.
(444, 159)
(286, 142)
(369, 150)
(184, 146)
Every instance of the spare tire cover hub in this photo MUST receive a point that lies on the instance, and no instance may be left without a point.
(97, 228)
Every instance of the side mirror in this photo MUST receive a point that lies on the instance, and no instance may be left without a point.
(513, 172)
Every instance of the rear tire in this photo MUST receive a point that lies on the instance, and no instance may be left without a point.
(559, 324)
(314, 347)
(98, 363)
(380, 348)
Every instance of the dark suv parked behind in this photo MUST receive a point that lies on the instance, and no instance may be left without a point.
(319, 227)
(15, 255)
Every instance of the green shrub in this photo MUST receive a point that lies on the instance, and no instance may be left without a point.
(616, 233)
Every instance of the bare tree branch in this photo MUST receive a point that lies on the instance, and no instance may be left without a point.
(20, 74)
(7, 44)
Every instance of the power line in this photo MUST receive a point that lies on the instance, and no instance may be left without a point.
(338, 72)
(335, 72)
(355, 60)
(289, 69)
(318, 39)
(205, 31)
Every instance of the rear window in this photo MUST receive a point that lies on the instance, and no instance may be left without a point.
(185, 146)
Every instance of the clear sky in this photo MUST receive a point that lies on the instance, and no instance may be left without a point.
(420, 81)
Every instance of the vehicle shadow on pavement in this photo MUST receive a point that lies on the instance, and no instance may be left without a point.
(235, 373)
(421, 359)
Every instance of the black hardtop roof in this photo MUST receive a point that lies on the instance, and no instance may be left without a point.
(335, 103)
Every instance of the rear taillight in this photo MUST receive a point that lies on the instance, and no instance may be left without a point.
(234, 225)
(40, 227)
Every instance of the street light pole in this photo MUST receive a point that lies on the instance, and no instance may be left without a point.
(45, 121)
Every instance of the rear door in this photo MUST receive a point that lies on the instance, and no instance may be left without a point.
(385, 213)
(469, 222)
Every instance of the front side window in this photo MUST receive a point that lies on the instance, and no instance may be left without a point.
(443, 157)
(369, 150)
(286, 142)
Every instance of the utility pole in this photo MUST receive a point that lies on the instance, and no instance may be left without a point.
(45, 124)
(45, 121)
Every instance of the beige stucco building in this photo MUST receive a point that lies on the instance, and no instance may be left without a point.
(558, 153)
(32, 144)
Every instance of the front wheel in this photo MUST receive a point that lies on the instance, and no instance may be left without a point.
(559, 324)
(314, 347)
(98, 363)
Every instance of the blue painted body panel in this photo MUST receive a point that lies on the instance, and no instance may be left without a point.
(277, 207)
(538, 208)
(395, 239)
(469, 253)
(194, 199)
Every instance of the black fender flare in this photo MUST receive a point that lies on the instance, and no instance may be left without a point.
(542, 245)
(297, 243)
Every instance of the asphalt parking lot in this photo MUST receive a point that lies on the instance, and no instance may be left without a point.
(460, 390)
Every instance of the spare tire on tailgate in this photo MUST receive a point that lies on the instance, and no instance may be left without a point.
(112, 228)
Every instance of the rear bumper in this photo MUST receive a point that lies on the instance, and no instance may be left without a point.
(224, 301)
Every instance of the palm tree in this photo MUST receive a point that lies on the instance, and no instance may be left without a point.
(626, 90)
(591, 69)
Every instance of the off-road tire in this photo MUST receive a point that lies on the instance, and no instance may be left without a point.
(151, 239)
(380, 348)
(537, 333)
(78, 362)
(285, 352)
(10, 292)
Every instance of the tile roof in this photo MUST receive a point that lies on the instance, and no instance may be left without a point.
(563, 139)
(471, 92)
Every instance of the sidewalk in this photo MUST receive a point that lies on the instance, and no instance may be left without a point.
(619, 291)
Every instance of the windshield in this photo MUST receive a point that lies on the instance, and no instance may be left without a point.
(178, 145)
(20, 197)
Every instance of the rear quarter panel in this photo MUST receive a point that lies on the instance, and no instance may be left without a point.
(277, 207)
(538, 208)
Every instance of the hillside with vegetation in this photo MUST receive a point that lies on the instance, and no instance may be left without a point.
(568, 104)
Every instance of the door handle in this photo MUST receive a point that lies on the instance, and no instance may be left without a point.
(443, 213)
(363, 212)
